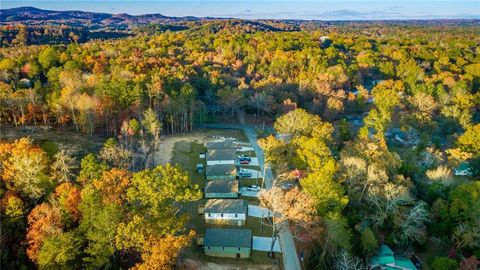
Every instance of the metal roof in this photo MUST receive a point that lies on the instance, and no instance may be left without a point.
(225, 144)
(405, 263)
(463, 166)
(221, 186)
(221, 169)
(221, 154)
(228, 237)
(226, 206)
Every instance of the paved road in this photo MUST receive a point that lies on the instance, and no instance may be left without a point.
(264, 244)
(290, 256)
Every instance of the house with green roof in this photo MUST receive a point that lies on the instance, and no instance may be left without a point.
(228, 243)
(226, 211)
(463, 169)
(221, 189)
(221, 172)
(386, 259)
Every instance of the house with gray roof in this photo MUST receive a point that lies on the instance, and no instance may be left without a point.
(218, 189)
(226, 211)
(221, 156)
(225, 144)
(228, 243)
(221, 172)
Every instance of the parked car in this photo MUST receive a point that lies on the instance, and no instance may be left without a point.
(243, 157)
(245, 173)
(287, 186)
(253, 188)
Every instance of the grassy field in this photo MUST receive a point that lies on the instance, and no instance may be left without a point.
(186, 154)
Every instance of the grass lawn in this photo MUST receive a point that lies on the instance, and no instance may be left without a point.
(186, 154)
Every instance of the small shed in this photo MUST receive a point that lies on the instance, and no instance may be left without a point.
(385, 259)
(228, 243)
(200, 168)
(225, 144)
(221, 172)
(221, 156)
(226, 211)
(24, 83)
(463, 169)
(221, 189)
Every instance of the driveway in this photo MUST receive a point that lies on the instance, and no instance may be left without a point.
(244, 149)
(264, 244)
(253, 162)
(255, 174)
(290, 256)
(258, 211)
(248, 193)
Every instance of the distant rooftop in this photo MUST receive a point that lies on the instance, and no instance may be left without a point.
(225, 144)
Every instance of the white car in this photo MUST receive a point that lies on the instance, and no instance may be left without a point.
(253, 188)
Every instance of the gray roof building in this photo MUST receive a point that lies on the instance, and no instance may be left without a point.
(221, 169)
(226, 206)
(221, 186)
(221, 154)
(228, 237)
(225, 144)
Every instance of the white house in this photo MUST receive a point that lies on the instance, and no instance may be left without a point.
(226, 211)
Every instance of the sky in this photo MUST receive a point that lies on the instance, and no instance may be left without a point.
(268, 9)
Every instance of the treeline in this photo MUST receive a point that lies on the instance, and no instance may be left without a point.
(15, 35)
(97, 85)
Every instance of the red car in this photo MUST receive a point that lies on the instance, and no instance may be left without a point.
(244, 162)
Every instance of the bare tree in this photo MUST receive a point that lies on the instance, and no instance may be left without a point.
(344, 261)
(62, 167)
(293, 205)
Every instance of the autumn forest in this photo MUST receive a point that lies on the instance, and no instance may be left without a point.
(382, 119)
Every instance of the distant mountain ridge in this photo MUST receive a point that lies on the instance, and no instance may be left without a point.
(32, 16)
(36, 16)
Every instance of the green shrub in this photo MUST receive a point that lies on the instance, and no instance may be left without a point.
(444, 263)
(50, 148)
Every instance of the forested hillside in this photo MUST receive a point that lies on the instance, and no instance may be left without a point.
(377, 116)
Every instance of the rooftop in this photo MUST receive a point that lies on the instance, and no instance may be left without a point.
(221, 154)
(221, 186)
(225, 144)
(226, 206)
(221, 169)
(228, 237)
(463, 166)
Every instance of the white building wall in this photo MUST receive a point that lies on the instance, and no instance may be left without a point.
(219, 162)
(218, 216)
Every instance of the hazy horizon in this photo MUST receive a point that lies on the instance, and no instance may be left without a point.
(306, 10)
